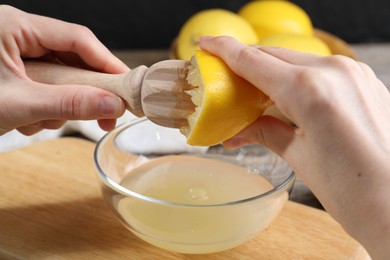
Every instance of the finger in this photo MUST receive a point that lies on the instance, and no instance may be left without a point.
(80, 40)
(52, 124)
(107, 124)
(66, 102)
(263, 70)
(36, 127)
(29, 130)
(52, 34)
(291, 56)
(278, 79)
(73, 102)
(66, 58)
(268, 131)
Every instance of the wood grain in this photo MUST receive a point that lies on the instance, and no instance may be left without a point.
(126, 85)
(51, 208)
(156, 92)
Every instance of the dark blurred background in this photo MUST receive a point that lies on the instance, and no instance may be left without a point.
(154, 24)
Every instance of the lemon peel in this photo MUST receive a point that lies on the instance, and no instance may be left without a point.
(225, 103)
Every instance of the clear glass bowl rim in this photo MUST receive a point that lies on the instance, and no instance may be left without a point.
(108, 182)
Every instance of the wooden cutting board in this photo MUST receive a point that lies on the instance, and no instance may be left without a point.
(51, 208)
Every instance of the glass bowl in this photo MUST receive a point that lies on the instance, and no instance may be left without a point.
(189, 199)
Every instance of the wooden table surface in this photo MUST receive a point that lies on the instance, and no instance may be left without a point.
(51, 208)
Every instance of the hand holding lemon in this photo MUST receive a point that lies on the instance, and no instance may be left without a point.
(225, 102)
(338, 150)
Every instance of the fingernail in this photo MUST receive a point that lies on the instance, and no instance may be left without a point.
(110, 106)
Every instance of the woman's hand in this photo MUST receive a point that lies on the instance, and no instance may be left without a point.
(341, 145)
(30, 106)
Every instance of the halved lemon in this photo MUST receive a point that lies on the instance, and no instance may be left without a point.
(225, 103)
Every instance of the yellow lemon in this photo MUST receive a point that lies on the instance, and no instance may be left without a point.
(225, 103)
(212, 22)
(302, 43)
(276, 16)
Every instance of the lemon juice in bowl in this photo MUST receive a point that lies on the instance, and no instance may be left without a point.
(190, 203)
(197, 203)
(185, 182)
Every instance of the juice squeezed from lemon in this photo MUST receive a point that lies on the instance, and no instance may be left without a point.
(191, 203)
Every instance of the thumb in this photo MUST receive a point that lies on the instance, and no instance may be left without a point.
(78, 102)
(267, 131)
(28, 102)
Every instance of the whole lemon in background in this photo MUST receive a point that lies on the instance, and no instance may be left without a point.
(212, 22)
(296, 42)
(270, 17)
(226, 103)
